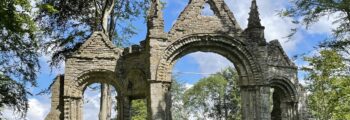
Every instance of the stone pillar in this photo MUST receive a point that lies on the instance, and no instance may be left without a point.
(124, 106)
(159, 101)
(289, 110)
(56, 112)
(73, 108)
(248, 103)
(255, 103)
(264, 103)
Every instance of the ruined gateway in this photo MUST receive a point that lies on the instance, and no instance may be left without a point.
(144, 71)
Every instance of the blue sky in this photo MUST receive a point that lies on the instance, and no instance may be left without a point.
(276, 28)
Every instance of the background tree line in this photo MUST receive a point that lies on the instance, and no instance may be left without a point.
(328, 73)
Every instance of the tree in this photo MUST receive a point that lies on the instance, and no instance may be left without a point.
(329, 97)
(14, 95)
(178, 110)
(309, 11)
(18, 53)
(232, 98)
(67, 23)
(214, 97)
(327, 75)
(138, 109)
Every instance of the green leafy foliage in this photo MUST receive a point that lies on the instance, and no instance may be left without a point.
(214, 97)
(48, 8)
(18, 43)
(18, 53)
(138, 109)
(329, 86)
(13, 95)
(178, 110)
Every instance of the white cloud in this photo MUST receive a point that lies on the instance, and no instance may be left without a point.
(188, 86)
(210, 62)
(275, 26)
(91, 104)
(324, 25)
(38, 109)
(40, 106)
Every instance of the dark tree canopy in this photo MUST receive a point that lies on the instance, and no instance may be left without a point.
(13, 95)
(18, 43)
(18, 54)
(67, 23)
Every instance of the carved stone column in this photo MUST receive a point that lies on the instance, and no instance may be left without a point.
(248, 101)
(73, 108)
(264, 104)
(159, 101)
(124, 106)
(289, 110)
(255, 103)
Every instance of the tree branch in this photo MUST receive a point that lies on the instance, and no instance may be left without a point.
(109, 5)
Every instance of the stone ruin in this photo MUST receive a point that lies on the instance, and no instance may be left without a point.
(144, 71)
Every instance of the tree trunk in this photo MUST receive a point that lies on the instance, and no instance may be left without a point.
(105, 102)
(108, 7)
(106, 99)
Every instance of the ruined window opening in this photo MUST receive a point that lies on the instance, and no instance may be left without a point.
(92, 102)
(171, 12)
(276, 100)
(207, 10)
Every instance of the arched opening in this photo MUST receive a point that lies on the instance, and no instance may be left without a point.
(94, 99)
(204, 86)
(226, 46)
(229, 47)
(283, 99)
(276, 112)
(99, 95)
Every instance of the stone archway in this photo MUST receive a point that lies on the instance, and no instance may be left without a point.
(143, 71)
(229, 47)
(284, 98)
(107, 80)
(73, 105)
(97, 76)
